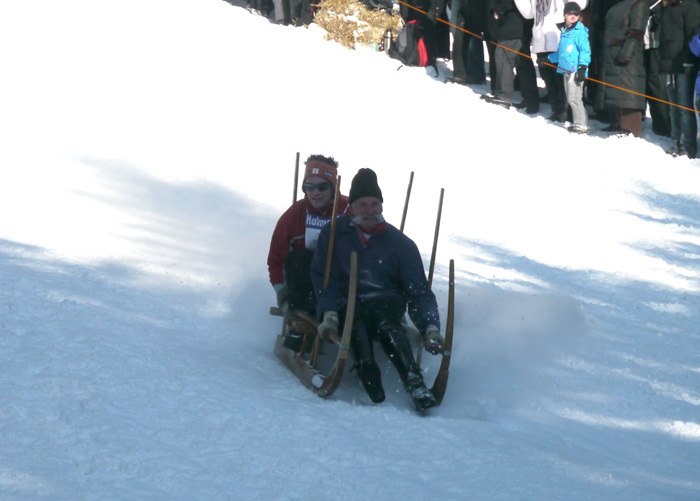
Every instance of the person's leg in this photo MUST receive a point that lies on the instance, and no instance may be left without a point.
(574, 97)
(528, 78)
(476, 71)
(384, 320)
(505, 65)
(554, 84)
(363, 352)
(459, 51)
(660, 118)
(674, 111)
(685, 87)
(298, 278)
(630, 121)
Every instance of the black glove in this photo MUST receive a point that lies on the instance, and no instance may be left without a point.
(622, 61)
(283, 294)
(435, 10)
(580, 74)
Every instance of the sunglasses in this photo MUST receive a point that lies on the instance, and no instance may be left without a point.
(308, 188)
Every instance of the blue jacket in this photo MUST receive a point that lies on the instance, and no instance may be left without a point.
(574, 49)
(695, 49)
(388, 263)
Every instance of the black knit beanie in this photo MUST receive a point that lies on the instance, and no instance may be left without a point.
(364, 184)
(572, 8)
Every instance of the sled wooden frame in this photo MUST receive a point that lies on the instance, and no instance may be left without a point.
(305, 370)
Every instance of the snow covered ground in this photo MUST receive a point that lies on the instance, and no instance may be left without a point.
(147, 152)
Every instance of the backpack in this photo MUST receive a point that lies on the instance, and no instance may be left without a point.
(412, 48)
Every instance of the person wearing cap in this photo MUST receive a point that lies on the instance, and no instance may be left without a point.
(390, 278)
(295, 236)
(572, 60)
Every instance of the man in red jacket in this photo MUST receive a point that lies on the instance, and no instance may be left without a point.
(295, 236)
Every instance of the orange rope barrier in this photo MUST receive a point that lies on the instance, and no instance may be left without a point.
(545, 62)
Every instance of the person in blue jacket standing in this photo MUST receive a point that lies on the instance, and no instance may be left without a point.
(390, 277)
(572, 60)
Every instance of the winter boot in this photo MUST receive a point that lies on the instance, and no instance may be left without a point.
(371, 378)
(422, 397)
(293, 340)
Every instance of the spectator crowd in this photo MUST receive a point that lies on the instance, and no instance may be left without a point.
(609, 58)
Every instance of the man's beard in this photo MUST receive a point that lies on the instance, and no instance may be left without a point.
(376, 219)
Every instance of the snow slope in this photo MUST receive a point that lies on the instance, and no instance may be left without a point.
(147, 152)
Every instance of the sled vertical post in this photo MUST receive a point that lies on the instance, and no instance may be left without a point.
(405, 205)
(435, 240)
(316, 349)
(296, 179)
(331, 241)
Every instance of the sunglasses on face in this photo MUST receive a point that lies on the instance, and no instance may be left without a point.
(308, 187)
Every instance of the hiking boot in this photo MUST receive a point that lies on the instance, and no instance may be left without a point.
(371, 378)
(456, 80)
(676, 152)
(422, 397)
(611, 128)
(293, 340)
(577, 129)
(495, 100)
(557, 117)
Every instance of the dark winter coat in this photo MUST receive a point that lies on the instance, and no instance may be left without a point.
(623, 55)
(505, 22)
(678, 23)
(389, 263)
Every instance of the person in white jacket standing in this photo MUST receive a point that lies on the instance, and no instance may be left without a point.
(545, 40)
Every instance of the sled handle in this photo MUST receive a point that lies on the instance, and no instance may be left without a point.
(296, 180)
(435, 240)
(405, 205)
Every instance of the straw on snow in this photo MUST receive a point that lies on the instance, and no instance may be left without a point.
(349, 22)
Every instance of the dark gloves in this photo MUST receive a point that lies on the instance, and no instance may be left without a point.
(622, 61)
(580, 75)
(283, 294)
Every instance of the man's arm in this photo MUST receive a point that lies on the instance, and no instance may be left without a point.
(422, 305)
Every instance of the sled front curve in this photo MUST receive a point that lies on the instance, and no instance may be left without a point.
(322, 385)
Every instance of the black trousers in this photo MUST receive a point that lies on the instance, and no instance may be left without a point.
(656, 87)
(379, 319)
(297, 278)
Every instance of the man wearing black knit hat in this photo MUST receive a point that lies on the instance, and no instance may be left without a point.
(390, 278)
